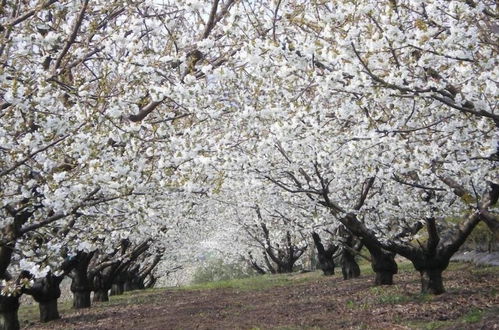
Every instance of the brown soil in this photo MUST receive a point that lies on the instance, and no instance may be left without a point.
(323, 303)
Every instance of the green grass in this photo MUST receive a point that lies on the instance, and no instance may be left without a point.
(390, 295)
(483, 270)
(261, 282)
(474, 315)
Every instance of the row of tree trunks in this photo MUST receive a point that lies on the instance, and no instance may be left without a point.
(382, 261)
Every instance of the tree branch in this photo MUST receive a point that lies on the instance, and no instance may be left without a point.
(72, 37)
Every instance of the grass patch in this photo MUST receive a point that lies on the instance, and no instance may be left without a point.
(387, 295)
(391, 295)
(473, 316)
(261, 282)
(483, 270)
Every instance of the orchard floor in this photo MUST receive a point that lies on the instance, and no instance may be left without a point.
(302, 301)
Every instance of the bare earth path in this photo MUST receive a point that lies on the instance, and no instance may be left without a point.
(307, 301)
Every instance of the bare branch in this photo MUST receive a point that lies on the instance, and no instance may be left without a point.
(147, 109)
(433, 236)
(366, 186)
(72, 37)
(211, 20)
(415, 185)
(30, 13)
(31, 155)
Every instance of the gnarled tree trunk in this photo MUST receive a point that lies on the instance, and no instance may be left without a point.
(431, 268)
(383, 264)
(325, 256)
(46, 291)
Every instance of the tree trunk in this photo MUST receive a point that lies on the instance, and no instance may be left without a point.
(9, 320)
(101, 296)
(431, 281)
(327, 266)
(46, 291)
(102, 283)
(383, 278)
(383, 264)
(349, 266)
(80, 284)
(48, 310)
(117, 289)
(81, 299)
(8, 313)
(325, 257)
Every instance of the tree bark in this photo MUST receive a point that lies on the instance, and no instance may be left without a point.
(46, 291)
(81, 299)
(285, 267)
(431, 281)
(80, 284)
(101, 296)
(8, 313)
(383, 264)
(327, 265)
(349, 266)
(48, 310)
(325, 257)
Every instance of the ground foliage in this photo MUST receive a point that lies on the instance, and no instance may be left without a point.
(306, 300)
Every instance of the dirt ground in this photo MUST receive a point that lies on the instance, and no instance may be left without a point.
(471, 302)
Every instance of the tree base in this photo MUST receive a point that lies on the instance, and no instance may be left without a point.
(350, 269)
(383, 278)
(101, 296)
(431, 281)
(48, 310)
(328, 272)
(9, 320)
(327, 267)
(81, 299)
